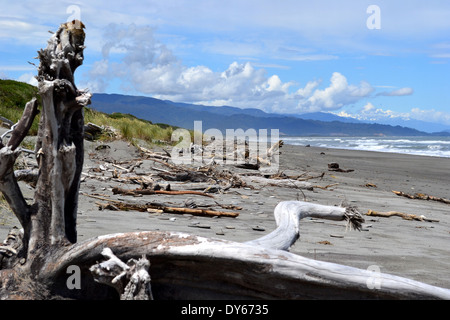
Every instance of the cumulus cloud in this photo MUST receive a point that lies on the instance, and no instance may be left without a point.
(431, 115)
(133, 55)
(338, 94)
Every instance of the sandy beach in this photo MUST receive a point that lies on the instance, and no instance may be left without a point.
(418, 250)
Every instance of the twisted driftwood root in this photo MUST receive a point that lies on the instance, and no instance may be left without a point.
(130, 279)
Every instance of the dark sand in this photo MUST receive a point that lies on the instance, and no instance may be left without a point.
(412, 249)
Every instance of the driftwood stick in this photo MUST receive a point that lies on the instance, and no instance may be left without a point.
(23, 126)
(288, 215)
(421, 196)
(406, 216)
(117, 190)
(10, 187)
(197, 212)
(164, 208)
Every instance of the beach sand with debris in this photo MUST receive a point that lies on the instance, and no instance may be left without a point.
(419, 250)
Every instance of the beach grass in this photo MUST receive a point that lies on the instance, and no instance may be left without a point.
(129, 127)
(14, 95)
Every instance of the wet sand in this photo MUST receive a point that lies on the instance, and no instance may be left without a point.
(417, 250)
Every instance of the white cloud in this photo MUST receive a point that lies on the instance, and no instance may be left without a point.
(338, 94)
(431, 115)
(398, 92)
(132, 55)
(371, 113)
(29, 78)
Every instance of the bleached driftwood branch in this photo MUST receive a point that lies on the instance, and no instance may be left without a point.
(131, 279)
(288, 215)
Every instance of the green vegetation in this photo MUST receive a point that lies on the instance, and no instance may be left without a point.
(14, 95)
(130, 128)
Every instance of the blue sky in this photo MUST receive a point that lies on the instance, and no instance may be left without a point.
(288, 56)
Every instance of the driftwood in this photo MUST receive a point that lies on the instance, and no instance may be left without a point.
(131, 279)
(35, 260)
(335, 167)
(406, 216)
(286, 183)
(421, 196)
(135, 192)
(288, 215)
(151, 207)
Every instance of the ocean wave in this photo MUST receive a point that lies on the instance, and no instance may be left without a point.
(425, 146)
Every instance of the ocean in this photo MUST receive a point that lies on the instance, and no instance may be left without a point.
(425, 146)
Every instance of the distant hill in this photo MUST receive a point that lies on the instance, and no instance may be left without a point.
(222, 118)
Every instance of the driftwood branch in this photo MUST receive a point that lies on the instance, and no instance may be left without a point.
(151, 207)
(131, 279)
(288, 215)
(406, 216)
(135, 192)
(421, 196)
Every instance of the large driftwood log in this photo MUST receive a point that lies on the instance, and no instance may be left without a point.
(191, 267)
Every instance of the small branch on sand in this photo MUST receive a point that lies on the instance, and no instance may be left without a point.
(135, 192)
(335, 167)
(421, 196)
(150, 207)
(406, 216)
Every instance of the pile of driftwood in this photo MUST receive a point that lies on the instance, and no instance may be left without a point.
(168, 178)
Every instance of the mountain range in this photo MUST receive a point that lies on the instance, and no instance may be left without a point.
(227, 117)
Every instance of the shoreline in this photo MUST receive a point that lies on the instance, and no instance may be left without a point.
(304, 141)
(413, 249)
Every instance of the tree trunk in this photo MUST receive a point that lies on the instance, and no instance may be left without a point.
(50, 221)
(35, 261)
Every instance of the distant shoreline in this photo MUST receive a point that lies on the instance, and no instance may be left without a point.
(420, 146)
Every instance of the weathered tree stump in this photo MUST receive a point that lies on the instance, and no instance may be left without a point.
(35, 260)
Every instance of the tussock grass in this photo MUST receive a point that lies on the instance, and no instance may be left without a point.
(131, 128)
(14, 95)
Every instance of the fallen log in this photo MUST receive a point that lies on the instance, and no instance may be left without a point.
(421, 196)
(406, 216)
(117, 190)
(187, 267)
